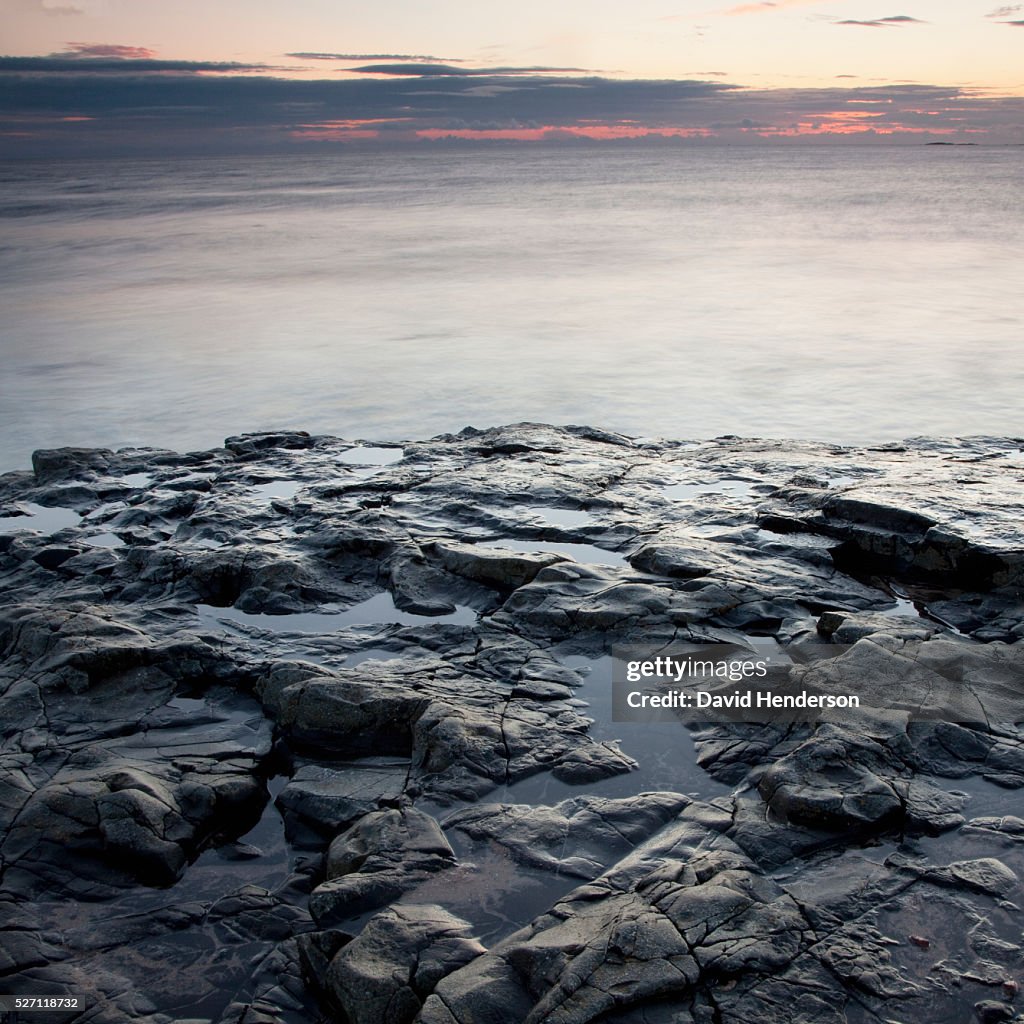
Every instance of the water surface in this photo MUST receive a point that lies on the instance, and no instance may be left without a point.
(852, 295)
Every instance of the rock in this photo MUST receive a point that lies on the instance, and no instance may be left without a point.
(54, 464)
(464, 752)
(565, 600)
(253, 580)
(54, 557)
(250, 444)
(461, 733)
(985, 875)
(989, 1011)
(331, 799)
(385, 854)
(104, 819)
(347, 716)
(138, 733)
(828, 782)
(849, 627)
(419, 588)
(493, 567)
(1008, 825)
(576, 837)
(385, 973)
(930, 809)
(672, 559)
(608, 948)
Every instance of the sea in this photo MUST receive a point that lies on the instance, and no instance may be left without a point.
(850, 294)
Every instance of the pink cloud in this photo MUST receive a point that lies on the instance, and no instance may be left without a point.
(110, 50)
(765, 6)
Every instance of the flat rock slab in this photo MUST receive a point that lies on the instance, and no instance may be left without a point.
(258, 706)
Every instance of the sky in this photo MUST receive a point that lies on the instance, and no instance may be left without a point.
(84, 76)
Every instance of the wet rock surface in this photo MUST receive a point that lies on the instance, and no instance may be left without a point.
(299, 729)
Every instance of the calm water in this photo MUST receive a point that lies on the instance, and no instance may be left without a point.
(846, 294)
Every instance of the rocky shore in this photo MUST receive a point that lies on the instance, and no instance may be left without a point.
(303, 729)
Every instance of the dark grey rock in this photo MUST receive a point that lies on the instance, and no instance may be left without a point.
(106, 819)
(989, 1011)
(137, 734)
(578, 837)
(986, 875)
(249, 444)
(370, 865)
(52, 464)
(828, 782)
(492, 567)
(385, 973)
(332, 798)
(931, 810)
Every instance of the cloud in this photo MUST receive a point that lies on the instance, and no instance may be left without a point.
(765, 6)
(446, 71)
(1006, 11)
(411, 58)
(1018, 24)
(107, 50)
(64, 107)
(74, 63)
(20, 8)
(117, 59)
(758, 8)
(146, 110)
(485, 90)
(894, 20)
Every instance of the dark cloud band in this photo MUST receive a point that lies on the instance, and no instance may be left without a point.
(894, 20)
(62, 106)
(447, 71)
(411, 58)
(76, 65)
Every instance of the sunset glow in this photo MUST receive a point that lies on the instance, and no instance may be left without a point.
(92, 74)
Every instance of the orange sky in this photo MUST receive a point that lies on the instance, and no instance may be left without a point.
(770, 44)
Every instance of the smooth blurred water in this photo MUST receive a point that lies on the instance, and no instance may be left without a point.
(853, 294)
